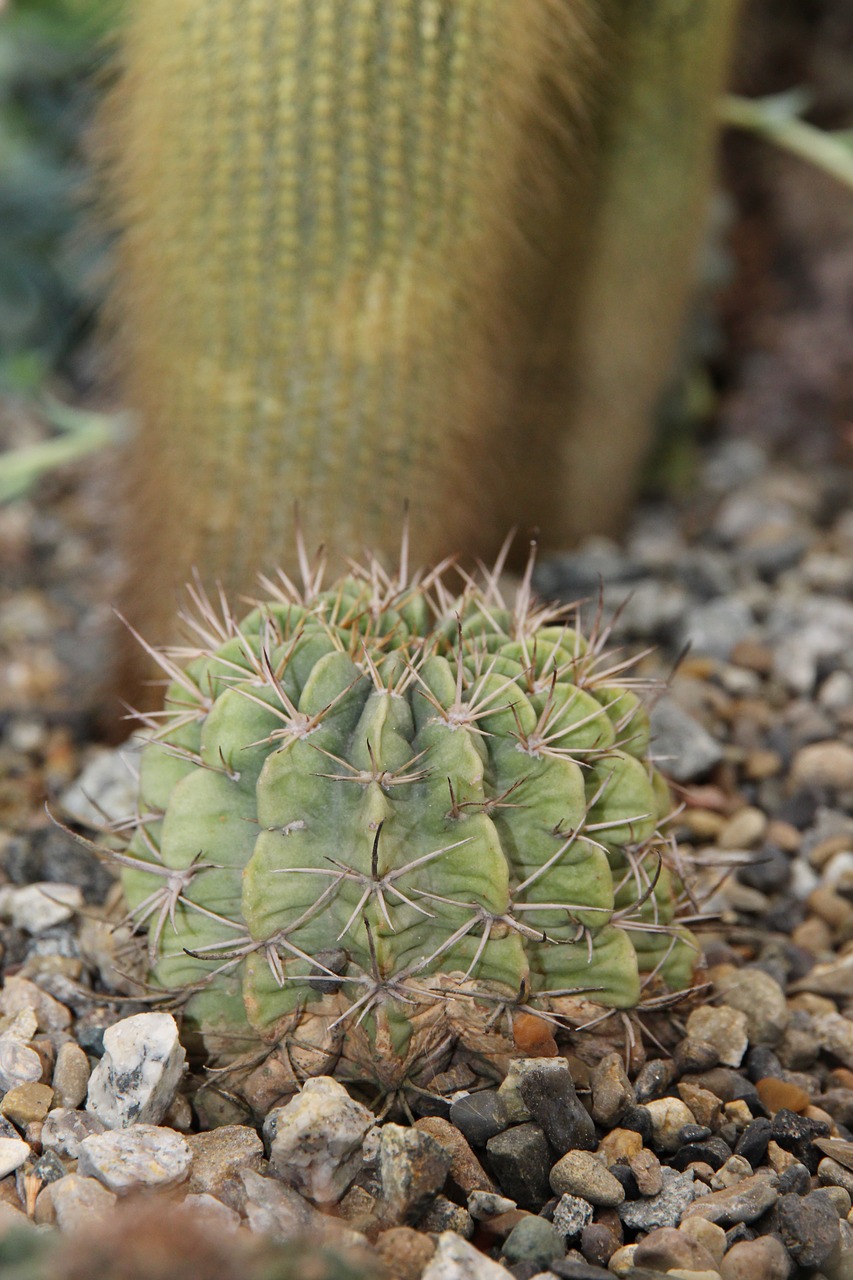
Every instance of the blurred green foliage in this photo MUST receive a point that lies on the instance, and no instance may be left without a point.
(49, 53)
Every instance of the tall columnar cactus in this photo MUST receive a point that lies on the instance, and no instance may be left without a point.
(378, 250)
(379, 818)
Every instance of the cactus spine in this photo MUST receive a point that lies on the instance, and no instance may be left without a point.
(378, 250)
(380, 818)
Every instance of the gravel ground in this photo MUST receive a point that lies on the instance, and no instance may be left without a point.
(718, 1143)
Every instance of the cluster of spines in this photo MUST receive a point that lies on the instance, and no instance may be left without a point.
(392, 628)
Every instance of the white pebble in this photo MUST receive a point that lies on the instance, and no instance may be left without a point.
(136, 1080)
(456, 1259)
(125, 1160)
(13, 1153)
(37, 907)
(315, 1140)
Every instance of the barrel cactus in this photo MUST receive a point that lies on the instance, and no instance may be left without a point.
(382, 819)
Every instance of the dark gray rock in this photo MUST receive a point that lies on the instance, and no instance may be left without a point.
(479, 1116)
(809, 1228)
(548, 1092)
(521, 1161)
(534, 1240)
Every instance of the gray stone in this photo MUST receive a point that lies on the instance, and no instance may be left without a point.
(534, 1240)
(19, 1064)
(571, 1215)
(19, 993)
(142, 1157)
(809, 1228)
(64, 1130)
(315, 1139)
(456, 1259)
(665, 1209)
(723, 1027)
(743, 1202)
(763, 1001)
(108, 788)
(37, 907)
(479, 1116)
(579, 1173)
(521, 1160)
(682, 747)
(443, 1215)
(275, 1210)
(548, 1092)
(412, 1168)
(716, 627)
(136, 1080)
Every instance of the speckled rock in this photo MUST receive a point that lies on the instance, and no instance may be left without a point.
(412, 1168)
(136, 1080)
(315, 1140)
(64, 1130)
(571, 1215)
(405, 1252)
(219, 1155)
(579, 1173)
(142, 1157)
(456, 1259)
(483, 1205)
(666, 1208)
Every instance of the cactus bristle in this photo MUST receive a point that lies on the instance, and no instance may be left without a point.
(384, 818)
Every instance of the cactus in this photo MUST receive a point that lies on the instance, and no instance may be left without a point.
(378, 250)
(380, 818)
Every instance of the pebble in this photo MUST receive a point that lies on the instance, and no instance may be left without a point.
(315, 1140)
(19, 1064)
(747, 1200)
(13, 1153)
(664, 1209)
(668, 1117)
(405, 1252)
(823, 764)
(70, 1075)
(763, 1259)
(412, 1168)
(756, 994)
(214, 1215)
(143, 1156)
(64, 1130)
(647, 1171)
(723, 1027)
(683, 747)
(139, 1073)
(534, 1240)
(521, 1160)
(548, 1092)
(456, 1259)
(219, 1155)
(612, 1091)
(273, 1209)
(571, 1215)
(38, 907)
(809, 1228)
(579, 1173)
(479, 1116)
(488, 1204)
(443, 1215)
(466, 1174)
(26, 1103)
(667, 1248)
(76, 1200)
(19, 993)
(744, 830)
(776, 1094)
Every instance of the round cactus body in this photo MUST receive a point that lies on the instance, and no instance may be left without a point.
(377, 820)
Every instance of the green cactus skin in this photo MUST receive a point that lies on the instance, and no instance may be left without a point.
(378, 817)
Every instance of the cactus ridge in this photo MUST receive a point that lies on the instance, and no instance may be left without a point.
(377, 818)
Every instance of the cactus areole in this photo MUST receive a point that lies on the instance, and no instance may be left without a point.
(381, 819)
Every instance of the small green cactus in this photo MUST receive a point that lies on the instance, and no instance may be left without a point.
(377, 818)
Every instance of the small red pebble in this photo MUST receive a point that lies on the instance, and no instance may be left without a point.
(533, 1036)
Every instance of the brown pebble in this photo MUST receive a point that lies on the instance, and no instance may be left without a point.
(405, 1252)
(784, 835)
(465, 1172)
(695, 1055)
(744, 830)
(813, 935)
(706, 1106)
(830, 906)
(534, 1036)
(763, 1259)
(598, 1244)
(777, 1095)
(27, 1103)
(498, 1228)
(70, 1075)
(842, 1077)
(666, 1249)
(762, 763)
(646, 1169)
(823, 764)
(752, 655)
(820, 853)
(619, 1144)
(701, 824)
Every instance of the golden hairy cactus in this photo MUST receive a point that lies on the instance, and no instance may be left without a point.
(377, 251)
